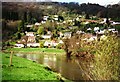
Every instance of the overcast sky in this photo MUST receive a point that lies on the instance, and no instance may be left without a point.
(101, 2)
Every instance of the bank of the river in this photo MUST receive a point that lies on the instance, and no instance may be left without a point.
(37, 50)
(23, 69)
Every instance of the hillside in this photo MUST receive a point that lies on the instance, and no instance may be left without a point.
(31, 12)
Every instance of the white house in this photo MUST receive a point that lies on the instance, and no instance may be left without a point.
(29, 26)
(33, 44)
(50, 44)
(47, 43)
(43, 22)
(96, 29)
(49, 32)
(29, 33)
(86, 22)
(100, 32)
(37, 24)
(31, 37)
(80, 32)
(67, 34)
(46, 36)
(89, 29)
(115, 23)
(111, 29)
(61, 42)
(45, 18)
(19, 45)
(93, 38)
(55, 17)
(61, 34)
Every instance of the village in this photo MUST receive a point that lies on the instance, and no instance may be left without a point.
(60, 41)
(49, 40)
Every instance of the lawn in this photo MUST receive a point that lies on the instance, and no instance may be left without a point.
(23, 69)
(37, 50)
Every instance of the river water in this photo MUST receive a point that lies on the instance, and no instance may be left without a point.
(59, 63)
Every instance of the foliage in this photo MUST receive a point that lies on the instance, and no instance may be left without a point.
(40, 30)
(59, 46)
(21, 27)
(87, 16)
(103, 55)
(106, 62)
(117, 27)
(41, 44)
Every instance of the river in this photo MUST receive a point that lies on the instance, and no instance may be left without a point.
(59, 63)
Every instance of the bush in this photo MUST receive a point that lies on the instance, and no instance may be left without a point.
(41, 44)
(106, 60)
(59, 46)
(103, 56)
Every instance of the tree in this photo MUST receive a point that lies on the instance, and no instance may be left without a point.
(107, 22)
(40, 30)
(87, 16)
(20, 26)
(18, 35)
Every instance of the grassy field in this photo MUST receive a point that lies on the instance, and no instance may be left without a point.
(37, 50)
(23, 69)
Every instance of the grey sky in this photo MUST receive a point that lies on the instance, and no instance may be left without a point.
(101, 2)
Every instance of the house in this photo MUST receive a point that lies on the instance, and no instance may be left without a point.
(33, 44)
(50, 44)
(47, 43)
(55, 17)
(113, 30)
(37, 24)
(67, 34)
(101, 31)
(29, 33)
(61, 42)
(31, 37)
(104, 20)
(80, 32)
(89, 29)
(77, 18)
(45, 18)
(43, 22)
(61, 34)
(26, 40)
(18, 45)
(115, 23)
(93, 38)
(89, 37)
(49, 32)
(22, 42)
(96, 29)
(46, 36)
(29, 26)
(86, 22)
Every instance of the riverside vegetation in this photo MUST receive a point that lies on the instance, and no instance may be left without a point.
(26, 70)
(102, 56)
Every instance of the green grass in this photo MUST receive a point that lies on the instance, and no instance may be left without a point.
(37, 50)
(23, 69)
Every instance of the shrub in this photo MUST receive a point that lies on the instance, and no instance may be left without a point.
(59, 46)
(106, 60)
(41, 44)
